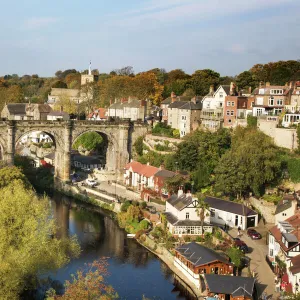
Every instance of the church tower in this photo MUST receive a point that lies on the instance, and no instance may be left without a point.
(87, 78)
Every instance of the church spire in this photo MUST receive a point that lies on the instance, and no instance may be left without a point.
(90, 68)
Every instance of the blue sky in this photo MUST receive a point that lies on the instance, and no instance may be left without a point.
(228, 36)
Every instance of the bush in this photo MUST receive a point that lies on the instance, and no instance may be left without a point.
(143, 205)
(251, 121)
(187, 238)
(162, 129)
(125, 206)
(199, 239)
(138, 145)
(176, 133)
(47, 145)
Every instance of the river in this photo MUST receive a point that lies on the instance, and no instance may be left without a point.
(134, 271)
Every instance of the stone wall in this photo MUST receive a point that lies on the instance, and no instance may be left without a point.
(266, 209)
(283, 137)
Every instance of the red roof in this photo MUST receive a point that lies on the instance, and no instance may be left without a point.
(101, 112)
(145, 170)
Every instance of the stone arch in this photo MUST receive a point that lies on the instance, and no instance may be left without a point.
(111, 148)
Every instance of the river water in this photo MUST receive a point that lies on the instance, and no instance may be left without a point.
(134, 271)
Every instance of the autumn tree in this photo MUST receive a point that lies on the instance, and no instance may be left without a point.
(87, 284)
(73, 80)
(67, 104)
(60, 85)
(28, 246)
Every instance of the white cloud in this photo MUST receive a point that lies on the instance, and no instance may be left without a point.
(37, 23)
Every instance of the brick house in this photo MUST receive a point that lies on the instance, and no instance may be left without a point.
(160, 178)
(236, 109)
(271, 99)
(195, 260)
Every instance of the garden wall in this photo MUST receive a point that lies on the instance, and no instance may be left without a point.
(267, 209)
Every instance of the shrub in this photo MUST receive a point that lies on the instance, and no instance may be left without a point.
(162, 129)
(125, 206)
(187, 238)
(199, 239)
(144, 224)
(138, 145)
(176, 133)
(143, 205)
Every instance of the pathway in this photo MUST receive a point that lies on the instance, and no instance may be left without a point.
(258, 251)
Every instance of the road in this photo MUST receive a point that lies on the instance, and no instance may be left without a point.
(258, 251)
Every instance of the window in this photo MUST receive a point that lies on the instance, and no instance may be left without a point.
(271, 101)
(220, 104)
(284, 214)
(276, 92)
(232, 112)
(232, 103)
(187, 215)
(261, 91)
(212, 213)
(228, 103)
(183, 117)
(228, 113)
(280, 102)
(221, 95)
(229, 120)
(252, 103)
(271, 252)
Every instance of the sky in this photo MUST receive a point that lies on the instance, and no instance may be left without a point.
(228, 36)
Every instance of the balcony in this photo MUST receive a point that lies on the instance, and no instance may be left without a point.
(212, 114)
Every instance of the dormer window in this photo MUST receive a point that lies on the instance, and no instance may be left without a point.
(187, 215)
(276, 92)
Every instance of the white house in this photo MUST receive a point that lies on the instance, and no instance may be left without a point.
(182, 217)
(286, 208)
(58, 115)
(231, 213)
(139, 176)
(284, 243)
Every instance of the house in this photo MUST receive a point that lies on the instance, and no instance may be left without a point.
(271, 99)
(100, 114)
(58, 115)
(184, 114)
(36, 137)
(139, 176)
(57, 94)
(286, 208)
(160, 178)
(14, 111)
(130, 108)
(49, 159)
(165, 105)
(195, 260)
(236, 109)
(229, 287)
(182, 216)
(213, 106)
(284, 246)
(25, 111)
(86, 162)
(231, 213)
(294, 106)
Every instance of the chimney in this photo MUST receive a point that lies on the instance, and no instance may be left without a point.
(143, 103)
(110, 102)
(61, 108)
(232, 89)
(286, 84)
(292, 83)
(193, 100)
(268, 84)
(173, 97)
(250, 90)
(188, 193)
(240, 94)
(161, 167)
(148, 164)
(211, 89)
(180, 191)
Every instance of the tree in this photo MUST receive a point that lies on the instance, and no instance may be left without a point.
(125, 71)
(11, 94)
(201, 209)
(89, 141)
(235, 256)
(90, 96)
(28, 246)
(173, 184)
(67, 104)
(60, 85)
(177, 74)
(246, 80)
(139, 145)
(87, 284)
(73, 80)
(202, 79)
(249, 165)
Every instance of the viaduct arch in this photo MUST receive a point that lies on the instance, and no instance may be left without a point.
(120, 136)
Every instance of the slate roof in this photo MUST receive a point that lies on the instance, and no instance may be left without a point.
(177, 104)
(236, 286)
(282, 206)
(267, 89)
(199, 255)
(229, 206)
(187, 222)
(192, 106)
(180, 202)
(50, 156)
(226, 88)
(16, 108)
(167, 101)
(165, 174)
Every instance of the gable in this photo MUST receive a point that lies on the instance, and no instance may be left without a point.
(193, 204)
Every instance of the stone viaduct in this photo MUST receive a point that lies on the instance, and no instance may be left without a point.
(119, 136)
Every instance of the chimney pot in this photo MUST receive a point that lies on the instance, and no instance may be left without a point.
(211, 89)
(232, 88)
(268, 84)
(173, 97)
(250, 90)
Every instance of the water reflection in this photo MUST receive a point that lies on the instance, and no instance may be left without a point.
(134, 271)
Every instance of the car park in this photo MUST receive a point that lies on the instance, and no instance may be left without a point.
(253, 234)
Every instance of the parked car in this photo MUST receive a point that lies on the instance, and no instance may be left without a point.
(241, 245)
(91, 182)
(253, 234)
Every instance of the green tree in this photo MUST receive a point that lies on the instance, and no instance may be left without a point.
(28, 246)
(173, 184)
(202, 79)
(138, 145)
(89, 141)
(235, 256)
(251, 121)
(202, 208)
(60, 85)
(252, 162)
(245, 80)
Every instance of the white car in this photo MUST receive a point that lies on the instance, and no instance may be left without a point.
(91, 182)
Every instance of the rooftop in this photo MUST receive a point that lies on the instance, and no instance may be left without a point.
(180, 202)
(229, 206)
(236, 286)
(16, 108)
(199, 255)
(165, 174)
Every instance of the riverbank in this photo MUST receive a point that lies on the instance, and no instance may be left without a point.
(165, 256)
(162, 253)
